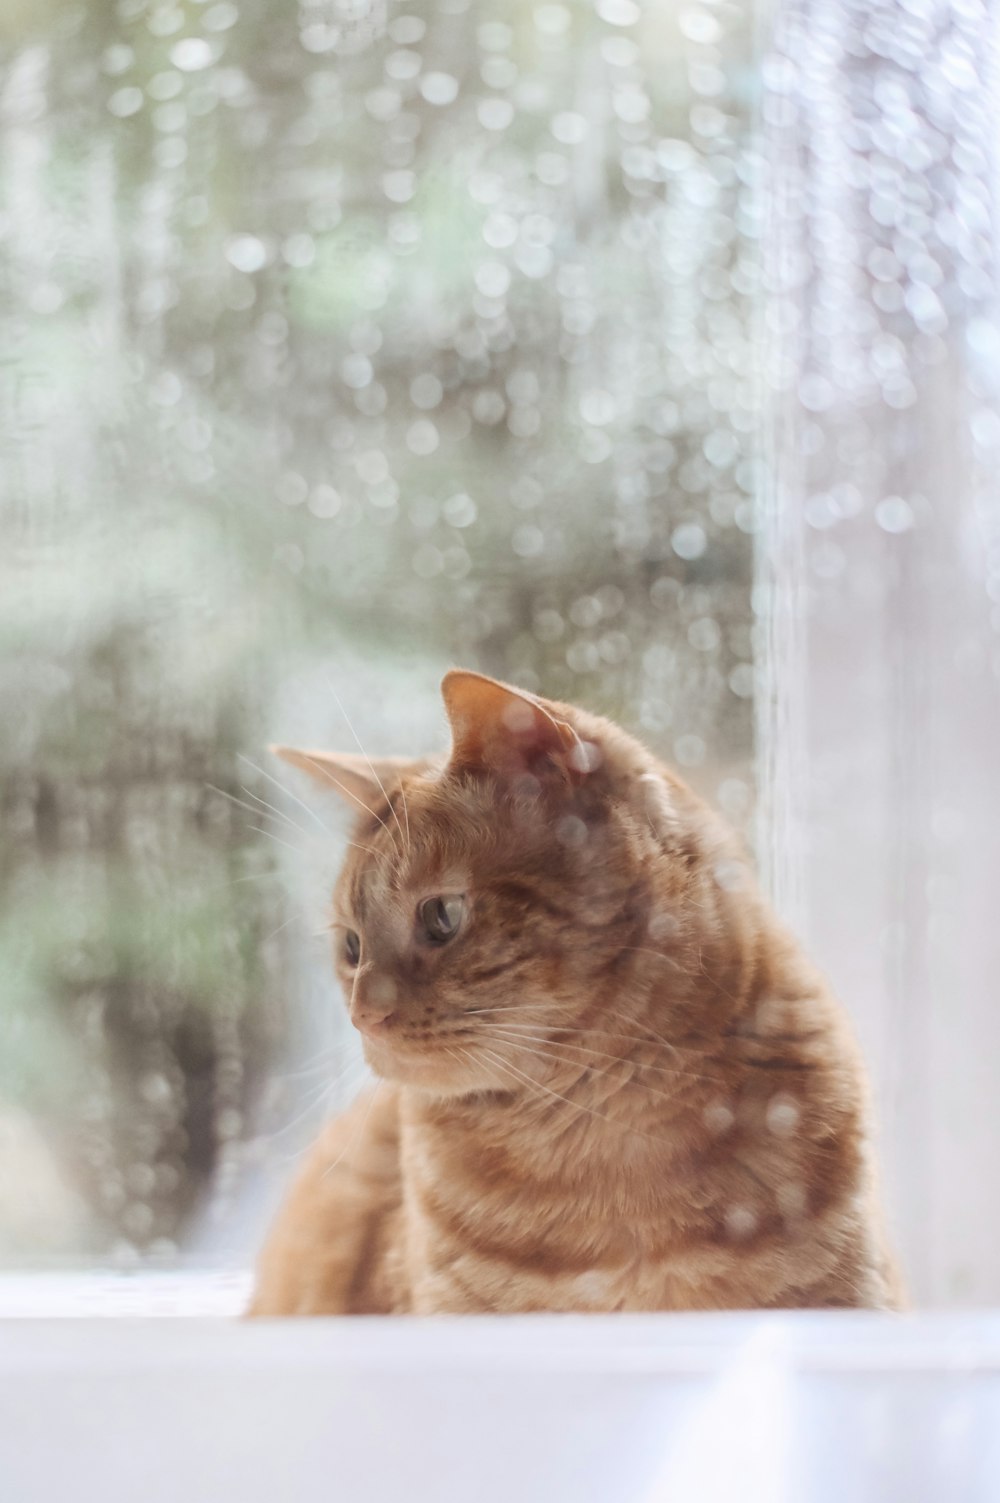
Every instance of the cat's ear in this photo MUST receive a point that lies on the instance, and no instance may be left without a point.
(507, 731)
(361, 783)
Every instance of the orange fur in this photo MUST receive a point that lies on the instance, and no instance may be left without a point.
(620, 1086)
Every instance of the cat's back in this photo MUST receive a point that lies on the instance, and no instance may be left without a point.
(330, 1250)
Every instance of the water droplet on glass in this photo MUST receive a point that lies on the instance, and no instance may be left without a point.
(192, 54)
(894, 514)
(246, 253)
(689, 541)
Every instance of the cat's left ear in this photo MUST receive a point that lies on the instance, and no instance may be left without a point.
(362, 784)
(507, 731)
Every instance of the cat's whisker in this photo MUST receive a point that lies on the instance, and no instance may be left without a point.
(350, 726)
(256, 812)
(292, 918)
(320, 1061)
(554, 1045)
(328, 777)
(317, 1100)
(289, 794)
(358, 1134)
(657, 954)
(714, 982)
(558, 1096)
(306, 835)
(648, 1036)
(406, 815)
(269, 835)
(678, 966)
(462, 1056)
(354, 845)
(275, 812)
(232, 881)
(678, 1049)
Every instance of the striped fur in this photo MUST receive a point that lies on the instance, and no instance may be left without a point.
(620, 1087)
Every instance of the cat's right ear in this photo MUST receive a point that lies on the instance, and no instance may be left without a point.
(363, 784)
(506, 730)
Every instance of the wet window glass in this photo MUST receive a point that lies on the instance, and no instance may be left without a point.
(582, 344)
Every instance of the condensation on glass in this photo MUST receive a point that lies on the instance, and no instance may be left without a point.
(879, 552)
(339, 344)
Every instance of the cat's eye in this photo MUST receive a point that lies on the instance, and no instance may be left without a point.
(440, 918)
(352, 947)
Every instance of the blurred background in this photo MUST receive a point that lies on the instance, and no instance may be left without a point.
(643, 355)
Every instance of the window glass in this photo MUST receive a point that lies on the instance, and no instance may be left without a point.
(340, 343)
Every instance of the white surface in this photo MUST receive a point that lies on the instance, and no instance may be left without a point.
(99, 1293)
(756, 1408)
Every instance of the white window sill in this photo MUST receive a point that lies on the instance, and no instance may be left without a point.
(777, 1408)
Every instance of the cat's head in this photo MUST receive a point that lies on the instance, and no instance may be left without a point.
(506, 891)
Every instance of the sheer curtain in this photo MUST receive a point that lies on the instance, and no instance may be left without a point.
(879, 578)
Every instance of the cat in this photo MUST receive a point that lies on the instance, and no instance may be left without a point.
(608, 1078)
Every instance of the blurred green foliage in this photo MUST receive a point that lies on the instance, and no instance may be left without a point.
(422, 333)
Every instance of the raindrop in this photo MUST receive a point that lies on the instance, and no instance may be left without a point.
(164, 20)
(689, 751)
(220, 17)
(292, 489)
(428, 561)
(742, 681)
(552, 20)
(494, 36)
(688, 540)
(125, 102)
(422, 437)
(527, 541)
(618, 12)
(426, 391)
(569, 128)
(372, 466)
(489, 408)
(549, 626)
(698, 25)
(403, 65)
(782, 1115)
(117, 59)
(399, 187)
(731, 876)
(495, 114)
(439, 88)
(718, 1118)
(741, 1222)
(192, 54)
(598, 407)
(894, 514)
(299, 250)
(704, 634)
(498, 73)
(571, 832)
(165, 85)
(246, 253)
(492, 279)
(324, 501)
(459, 510)
(383, 103)
(586, 611)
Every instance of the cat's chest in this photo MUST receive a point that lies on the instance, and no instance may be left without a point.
(487, 1235)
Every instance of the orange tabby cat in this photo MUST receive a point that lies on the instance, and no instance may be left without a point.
(609, 1079)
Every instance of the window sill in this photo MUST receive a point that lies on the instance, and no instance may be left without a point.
(776, 1407)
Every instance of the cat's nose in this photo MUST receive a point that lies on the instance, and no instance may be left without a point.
(373, 998)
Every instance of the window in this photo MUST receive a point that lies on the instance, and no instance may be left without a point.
(579, 343)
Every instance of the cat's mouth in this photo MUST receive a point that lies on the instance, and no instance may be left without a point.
(423, 1060)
